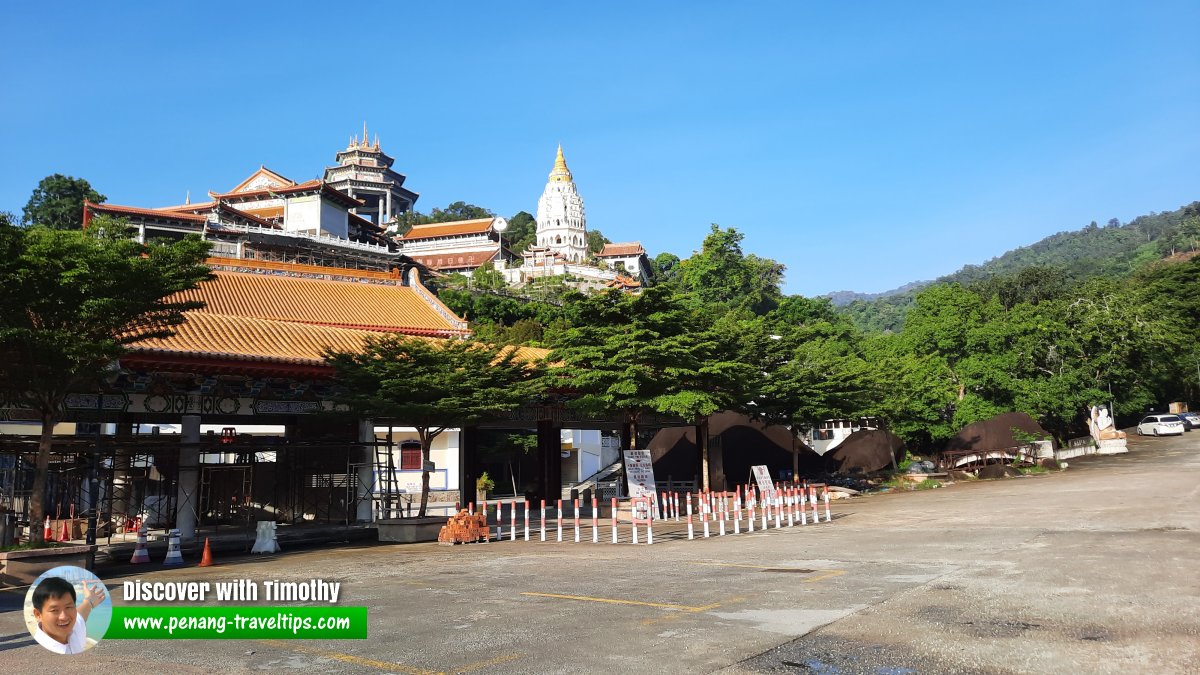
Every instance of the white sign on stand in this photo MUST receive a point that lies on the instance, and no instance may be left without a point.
(639, 470)
(762, 477)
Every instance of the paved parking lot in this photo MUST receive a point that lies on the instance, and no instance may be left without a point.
(1089, 570)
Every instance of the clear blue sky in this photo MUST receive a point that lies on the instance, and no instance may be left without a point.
(910, 138)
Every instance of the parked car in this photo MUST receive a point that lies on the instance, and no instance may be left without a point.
(1160, 425)
(1190, 420)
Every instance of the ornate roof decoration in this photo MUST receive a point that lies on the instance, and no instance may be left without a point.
(560, 173)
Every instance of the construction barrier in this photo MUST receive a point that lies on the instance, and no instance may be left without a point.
(174, 556)
(140, 553)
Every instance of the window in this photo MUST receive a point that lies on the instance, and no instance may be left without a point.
(410, 456)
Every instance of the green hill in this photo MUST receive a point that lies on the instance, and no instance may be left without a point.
(1114, 250)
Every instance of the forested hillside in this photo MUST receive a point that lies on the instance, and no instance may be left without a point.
(1113, 250)
(1048, 339)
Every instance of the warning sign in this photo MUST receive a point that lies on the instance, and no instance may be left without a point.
(639, 471)
(762, 477)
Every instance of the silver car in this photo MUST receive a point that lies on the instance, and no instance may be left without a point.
(1160, 425)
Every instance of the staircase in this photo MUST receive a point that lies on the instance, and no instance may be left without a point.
(592, 481)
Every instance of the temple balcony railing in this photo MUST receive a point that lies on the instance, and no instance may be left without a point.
(316, 238)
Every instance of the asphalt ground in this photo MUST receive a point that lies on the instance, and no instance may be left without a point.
(1091, 570)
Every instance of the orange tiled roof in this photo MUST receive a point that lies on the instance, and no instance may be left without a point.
(210, 335)
(622, 249)
(458, 227)
(365, 306)
(452, 261)
(207, 334)
(188, 208)
(138, 211)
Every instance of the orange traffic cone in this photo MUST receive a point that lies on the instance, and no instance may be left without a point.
(48, 532)
(64, 533)
(206, 557)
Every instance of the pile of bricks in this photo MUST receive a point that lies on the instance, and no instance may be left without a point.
(464, 528)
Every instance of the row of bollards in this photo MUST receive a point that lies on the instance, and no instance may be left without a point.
(748, 504)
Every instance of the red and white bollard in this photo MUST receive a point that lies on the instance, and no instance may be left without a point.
(577, 520)
(750, 507)
(721, 516)
(675, 505)
(614, 519)
(526, 520)
(737, 509)
(803, 514)
(705, 508)
(558, 512)
(691, 532)
(512, 506)
(499, 520)
(812, 491)
(791, 507)
(825, 493)
(779, 507)
(595, 520)
(471, 508)
(543, 520)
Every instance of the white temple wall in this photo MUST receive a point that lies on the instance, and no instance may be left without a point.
(334, 220)
(303, 215)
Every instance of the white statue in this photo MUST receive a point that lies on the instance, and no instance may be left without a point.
(1101, 425)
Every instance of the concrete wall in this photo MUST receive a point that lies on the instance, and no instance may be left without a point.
(334, 220)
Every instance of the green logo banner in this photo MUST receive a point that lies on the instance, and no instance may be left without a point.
(238, 623)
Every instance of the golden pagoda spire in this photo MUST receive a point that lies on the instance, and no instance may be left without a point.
(366, 140)
(560, 173)
(376, 141)
(188, 198)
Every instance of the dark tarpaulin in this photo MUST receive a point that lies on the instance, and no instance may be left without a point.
(867, 450)
(996, 433)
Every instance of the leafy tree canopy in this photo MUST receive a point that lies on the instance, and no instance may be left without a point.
(433, 385)
(57, 202)
(720, 274)
(74, 300)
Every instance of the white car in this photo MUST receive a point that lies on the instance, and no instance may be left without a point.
(1160, 425)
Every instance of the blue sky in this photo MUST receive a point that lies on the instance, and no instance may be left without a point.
(863, 145)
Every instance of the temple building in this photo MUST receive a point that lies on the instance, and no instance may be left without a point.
(562, 245)
(337, 221)
(627, 257)
(364, 172)
(561, 223)
(460, 246)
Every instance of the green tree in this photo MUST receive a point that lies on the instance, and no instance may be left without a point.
(596, 241)
(487, 277)
(635, 354)
(459, 211)
(57, 202)
(73, 302)
(720, 274)
(433, 385)
(454, 212)
(521, 232)
(664, 268)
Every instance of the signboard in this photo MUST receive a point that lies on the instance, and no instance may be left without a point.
(639, 471)
(763, 478)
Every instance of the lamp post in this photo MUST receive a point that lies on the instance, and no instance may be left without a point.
(500, 225)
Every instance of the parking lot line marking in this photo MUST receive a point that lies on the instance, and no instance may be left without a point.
(616, 601)
(490, 662)
(753, 567)
(351, 658)
(828, 575)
